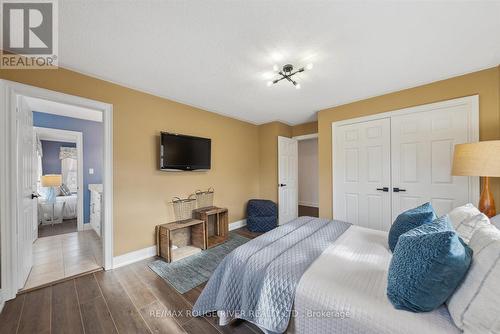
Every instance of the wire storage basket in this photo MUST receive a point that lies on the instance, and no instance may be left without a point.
(205, 199)
(183, 208)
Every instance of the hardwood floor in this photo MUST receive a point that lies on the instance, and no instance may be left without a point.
(130, 299)
(67, 226)
(308, 211)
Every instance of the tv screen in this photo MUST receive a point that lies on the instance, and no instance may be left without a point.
(180, 152)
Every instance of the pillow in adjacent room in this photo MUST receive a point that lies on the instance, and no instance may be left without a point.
(467, 227)
(408, 220)
(65, 190)
(428, 264)
(475, 306)
(461, 213)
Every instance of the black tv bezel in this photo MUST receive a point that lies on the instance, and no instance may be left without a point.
(184, 167)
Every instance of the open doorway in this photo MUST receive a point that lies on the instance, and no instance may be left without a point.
(308, 180)
(49, 233)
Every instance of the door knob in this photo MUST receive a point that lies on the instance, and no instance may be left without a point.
(396, 190)
(33, 196)
(384, 189)
(281, 185)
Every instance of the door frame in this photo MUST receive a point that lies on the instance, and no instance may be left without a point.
(301, 138)
(9, 90)
(73, 137)
(473, 133)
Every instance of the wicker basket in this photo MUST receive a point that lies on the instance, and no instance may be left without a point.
(205, 199)
(183, 208)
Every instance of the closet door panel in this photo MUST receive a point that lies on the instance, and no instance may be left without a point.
(362, 164)
(422, 154)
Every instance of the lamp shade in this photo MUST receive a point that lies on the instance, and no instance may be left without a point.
(51, 180)
(477, 159)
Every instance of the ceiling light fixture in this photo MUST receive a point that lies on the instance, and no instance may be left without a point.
(287, 73)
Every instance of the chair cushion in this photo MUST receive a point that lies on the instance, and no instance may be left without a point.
(475, 306)
(408, 220)
(428, 264)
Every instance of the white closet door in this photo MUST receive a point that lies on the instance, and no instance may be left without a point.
(422, 153)
(362, 162)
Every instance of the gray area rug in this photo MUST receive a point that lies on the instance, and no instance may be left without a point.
(190, 272)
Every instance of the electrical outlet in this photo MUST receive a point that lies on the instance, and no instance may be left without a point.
(91, 171)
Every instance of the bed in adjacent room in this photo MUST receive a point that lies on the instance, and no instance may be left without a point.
(314, 275)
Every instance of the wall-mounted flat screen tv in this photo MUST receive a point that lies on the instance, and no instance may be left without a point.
(181, 152)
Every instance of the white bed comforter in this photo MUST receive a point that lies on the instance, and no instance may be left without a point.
(344, 291)
(70, 207)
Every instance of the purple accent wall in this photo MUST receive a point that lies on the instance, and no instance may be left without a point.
(93, 143)
(51, 164)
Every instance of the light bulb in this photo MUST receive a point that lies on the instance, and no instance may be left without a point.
(297, 86)
(276, 68)
(269, 83)
(309, 66)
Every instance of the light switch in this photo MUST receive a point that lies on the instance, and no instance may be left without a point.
(91, 171)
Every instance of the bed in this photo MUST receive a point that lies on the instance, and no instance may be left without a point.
(70, 210)
(313, 276)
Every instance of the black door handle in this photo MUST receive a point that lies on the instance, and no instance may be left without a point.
(384, 189)
(396, 190)
(281, 185)
(33, 196)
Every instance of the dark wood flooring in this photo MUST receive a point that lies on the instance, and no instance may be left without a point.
(130, 299)
(308, 211)
(67, 226)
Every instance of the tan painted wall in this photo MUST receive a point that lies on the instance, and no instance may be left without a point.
(485, 83)
(141, 191)
(304, 129)
(268, 157)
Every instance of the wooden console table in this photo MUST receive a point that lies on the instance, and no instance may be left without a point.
(189, 236)
(217, 224)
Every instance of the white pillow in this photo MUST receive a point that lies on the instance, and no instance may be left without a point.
(475, 306)
(467, 227)
(496, 221)
(461, 213)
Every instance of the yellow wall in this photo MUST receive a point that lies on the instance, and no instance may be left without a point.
(141, 191)
(485, 83)
(268, 157)
(304, 129)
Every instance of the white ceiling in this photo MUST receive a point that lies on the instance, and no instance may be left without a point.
(62, 109)
(215, 54)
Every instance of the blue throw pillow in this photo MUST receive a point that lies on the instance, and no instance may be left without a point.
(408, 220)
(428, 264)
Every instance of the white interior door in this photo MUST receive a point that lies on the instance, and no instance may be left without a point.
(288, 200)
(26, 185)
(422, 146)
(362, 174)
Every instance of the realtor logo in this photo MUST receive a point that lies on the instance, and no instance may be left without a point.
(29, 34)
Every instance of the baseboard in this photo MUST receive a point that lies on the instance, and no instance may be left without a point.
(237, 224)
(310, 204)
(141, 254)
(2, 301)
(131, 257)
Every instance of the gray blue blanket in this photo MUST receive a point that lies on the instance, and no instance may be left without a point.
(257, 281)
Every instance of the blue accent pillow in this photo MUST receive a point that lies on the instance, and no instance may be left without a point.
(408, 220)
(428, 264)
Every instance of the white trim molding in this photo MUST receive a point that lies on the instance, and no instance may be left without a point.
(9, 92)
(144, 253)
(306, 137)
(237, 224)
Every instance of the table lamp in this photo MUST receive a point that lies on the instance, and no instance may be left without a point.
(51, 181)
(479, 159)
